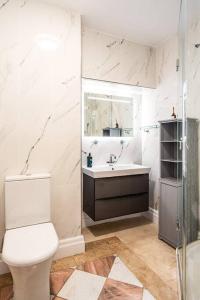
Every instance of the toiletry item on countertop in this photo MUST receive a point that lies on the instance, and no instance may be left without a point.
(89, 161)
(116, 125)
(173, 113)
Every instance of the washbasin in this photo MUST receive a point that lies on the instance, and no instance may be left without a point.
(102, 171)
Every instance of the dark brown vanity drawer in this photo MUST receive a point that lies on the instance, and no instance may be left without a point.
(115, 207)
(121, 186)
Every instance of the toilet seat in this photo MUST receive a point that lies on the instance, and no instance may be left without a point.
(29, 245)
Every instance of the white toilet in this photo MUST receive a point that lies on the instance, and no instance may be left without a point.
(30, 241)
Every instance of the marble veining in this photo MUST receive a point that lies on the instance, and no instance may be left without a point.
(68, 80)
(119, 290)
(111, 69)
(40, 103)
(192, 76)
(26, 166)
(65, 113)
(115, 43)
(157, 105)
(4, 4)
(117, 60)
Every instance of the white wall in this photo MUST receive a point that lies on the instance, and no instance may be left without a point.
(109, 58)
(156, 106)
(40, 59)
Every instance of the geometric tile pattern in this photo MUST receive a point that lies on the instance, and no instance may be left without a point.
(102, 279)
(103, 248)
(119, 290)
(82, 285)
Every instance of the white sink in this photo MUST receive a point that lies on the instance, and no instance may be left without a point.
(115, 170)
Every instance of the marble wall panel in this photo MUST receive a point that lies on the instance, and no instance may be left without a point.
(156, 106)
(40, 59)
(105, 57)
(192, 66)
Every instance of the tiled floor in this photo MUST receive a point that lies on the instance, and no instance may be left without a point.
(103, 279)
(89, 276)
(141, 237)
(150, 261)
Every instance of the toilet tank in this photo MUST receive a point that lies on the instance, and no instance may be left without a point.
(27, 200)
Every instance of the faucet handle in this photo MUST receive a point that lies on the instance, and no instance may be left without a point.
(112, 158)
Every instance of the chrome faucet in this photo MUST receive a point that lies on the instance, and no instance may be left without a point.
(112, 159)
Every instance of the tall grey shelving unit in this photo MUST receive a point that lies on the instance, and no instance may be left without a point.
(171, 187)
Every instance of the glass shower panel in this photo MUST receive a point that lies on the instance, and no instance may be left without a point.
(189, 38)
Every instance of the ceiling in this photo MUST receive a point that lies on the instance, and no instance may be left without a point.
(147, 22)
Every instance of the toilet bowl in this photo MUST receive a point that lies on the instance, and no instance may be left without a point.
(30, 241)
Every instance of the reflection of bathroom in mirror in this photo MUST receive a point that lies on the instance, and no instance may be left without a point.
(108, 109)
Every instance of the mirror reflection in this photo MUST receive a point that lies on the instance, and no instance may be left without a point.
(108, 115)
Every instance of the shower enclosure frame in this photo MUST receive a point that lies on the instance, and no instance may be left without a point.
(189, 208)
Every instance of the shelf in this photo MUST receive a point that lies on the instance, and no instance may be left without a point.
(170, 131)
(171, 121)
(172, 141)
(171, 160)
(171, 180)
(170, 152)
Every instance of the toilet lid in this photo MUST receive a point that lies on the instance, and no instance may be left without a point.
(29, 245)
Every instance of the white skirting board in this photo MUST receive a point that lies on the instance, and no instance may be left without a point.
(70, 246)
(67, 247)
(152, 215)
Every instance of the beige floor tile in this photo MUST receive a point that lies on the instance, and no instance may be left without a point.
(138, 233)
(63, 264)
(158, 256)
(82, 258)
(150, 279)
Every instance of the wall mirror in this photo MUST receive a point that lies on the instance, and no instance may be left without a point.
(108, 109)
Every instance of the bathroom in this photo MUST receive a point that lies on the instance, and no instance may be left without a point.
(99, 184)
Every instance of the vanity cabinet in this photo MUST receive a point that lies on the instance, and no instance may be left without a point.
(110, 197)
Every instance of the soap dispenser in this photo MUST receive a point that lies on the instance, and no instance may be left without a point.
(89, 160)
